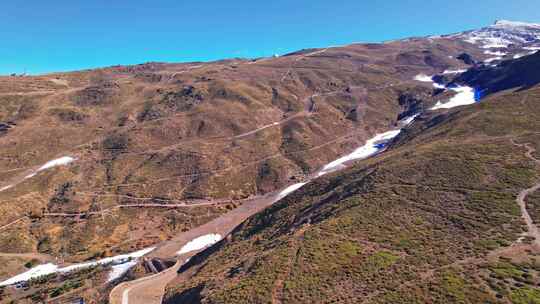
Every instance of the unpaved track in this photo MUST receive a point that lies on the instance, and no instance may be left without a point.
(13, 223)
(532, 229)
(37, 256)
(144, 290)
(149, 290)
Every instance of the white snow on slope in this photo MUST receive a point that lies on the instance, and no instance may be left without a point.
(408, 120)
(369, 149)
(35, 272)
(517, 56)
(497, 53)
(200, 243)
(57, 162)
(117, 271)
(502, 34)
(426, 78)
(290, 190)
(50, 268)
(464, 96)
(492, 59)
(62, 161)
(6, 187)
(423, 78)
(514, 24)
(446, 72)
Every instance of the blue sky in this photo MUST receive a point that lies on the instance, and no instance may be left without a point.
(44, 36)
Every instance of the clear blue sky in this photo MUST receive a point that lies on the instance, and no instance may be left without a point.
(43, 36)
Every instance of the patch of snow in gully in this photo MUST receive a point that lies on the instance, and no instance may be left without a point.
(50, 268)
(372, 147)
(423, 78)
(408, 120)
(446, 72)
(119, 270)
(465, 96)
(497, 53)
(57, 162)
(514, 24)
(290, 190)
(489, 60)
(62, 161)
(200, 243)
(6, 187)
(426, 78)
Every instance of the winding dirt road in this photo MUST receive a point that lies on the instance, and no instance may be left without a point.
(532, 229)
(150, 289)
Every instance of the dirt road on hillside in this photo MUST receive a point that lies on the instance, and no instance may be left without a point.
(532, 229)
(149, 290)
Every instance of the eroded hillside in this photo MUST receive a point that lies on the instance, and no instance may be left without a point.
(163, 148)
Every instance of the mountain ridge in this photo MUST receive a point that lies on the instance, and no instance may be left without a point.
(161, 150)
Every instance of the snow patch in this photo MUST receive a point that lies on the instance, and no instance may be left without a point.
(49, 268)
(6, 187)
(492, 59)
(514, 24)
(426, 78)
(408, 120)
(35, 272)
(502, 34)
(497, 53)
(200, 243)
(423, 78)
(446, 72)
(290, 190)
(465, 96)
(372, 147)
(495, 43)
(62, 161)
(119, 270)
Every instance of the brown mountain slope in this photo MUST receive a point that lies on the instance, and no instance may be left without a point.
(198, 138)
(435, 219)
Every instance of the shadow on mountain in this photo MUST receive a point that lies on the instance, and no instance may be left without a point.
(519, 74)
(192, 296)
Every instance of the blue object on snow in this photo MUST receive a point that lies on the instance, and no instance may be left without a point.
(380, 145)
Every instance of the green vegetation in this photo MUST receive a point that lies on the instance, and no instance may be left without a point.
(525, 295)
(414, 225)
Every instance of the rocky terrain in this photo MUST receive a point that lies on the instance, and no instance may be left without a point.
(104, 162)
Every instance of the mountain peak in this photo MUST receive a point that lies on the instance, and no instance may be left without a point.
(512, 24)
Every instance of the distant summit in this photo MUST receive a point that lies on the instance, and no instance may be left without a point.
(503, 34)
(511, 24)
